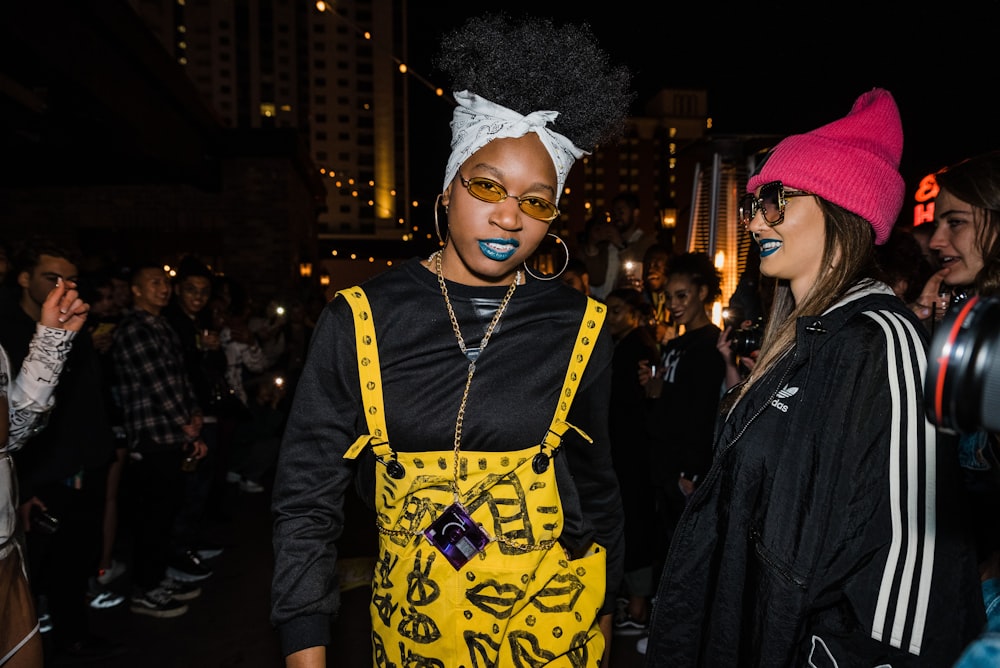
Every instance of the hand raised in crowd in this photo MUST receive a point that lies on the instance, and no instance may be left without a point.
(724, 345)
(935, 295)
(197, 448)
(734, 374)
(665, 332)
(210, 340)
(645, 372)
(686, 486)
(193, 429)
(63, 308)
(24, 510)
(239, 330)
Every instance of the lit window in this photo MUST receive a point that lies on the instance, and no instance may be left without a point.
(267, 109)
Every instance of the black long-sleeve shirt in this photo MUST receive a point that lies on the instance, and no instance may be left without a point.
(511, 403)
(682, 420)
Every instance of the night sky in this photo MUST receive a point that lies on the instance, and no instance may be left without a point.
(776, 67)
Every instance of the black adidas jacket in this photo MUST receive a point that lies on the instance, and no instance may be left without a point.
(829, 531)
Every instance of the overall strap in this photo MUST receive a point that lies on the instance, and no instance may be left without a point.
(369, 372)
(590, 328)
(371, 379)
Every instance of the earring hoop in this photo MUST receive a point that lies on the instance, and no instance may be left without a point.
(437, 227)
(537, 277)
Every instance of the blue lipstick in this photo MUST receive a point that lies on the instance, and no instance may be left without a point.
(498, 249)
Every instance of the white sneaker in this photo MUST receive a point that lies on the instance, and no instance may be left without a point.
(106, 575)
(106, 599)
(206, 553)
(233, 476)
(157, 603)
(44, 623)
(180, 591)
(251, 487)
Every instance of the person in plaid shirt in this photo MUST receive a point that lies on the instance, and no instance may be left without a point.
(163, 423)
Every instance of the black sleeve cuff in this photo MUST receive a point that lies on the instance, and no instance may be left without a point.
(303, 632)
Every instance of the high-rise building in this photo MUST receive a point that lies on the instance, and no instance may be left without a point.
(328, 70)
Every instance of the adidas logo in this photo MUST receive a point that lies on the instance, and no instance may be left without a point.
(783, 393)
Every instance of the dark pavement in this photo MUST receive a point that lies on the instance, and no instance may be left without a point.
(227, 626)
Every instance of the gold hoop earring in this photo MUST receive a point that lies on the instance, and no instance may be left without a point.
(537, 277)
(437, 227)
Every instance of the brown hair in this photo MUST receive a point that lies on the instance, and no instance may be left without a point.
(848, 254)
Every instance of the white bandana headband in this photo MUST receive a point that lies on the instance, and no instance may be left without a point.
(477, 121)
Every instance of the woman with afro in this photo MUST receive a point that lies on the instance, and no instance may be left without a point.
(467, 393)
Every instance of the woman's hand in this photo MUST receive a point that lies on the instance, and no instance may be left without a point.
(686, 486)
(63, 308)
(644, 372)
(25, 511)
(198, 449)
(723, 344)
(934, 298)
(733, 374)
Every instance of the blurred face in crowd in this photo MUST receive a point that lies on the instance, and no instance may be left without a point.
(150, 289)
(655, 267)
(622, 318)
(576, 281)
(103, 303)
(121, 292)
(686, 301)
(622, 215)
(193, 294)
(956, 239)
(39, 282)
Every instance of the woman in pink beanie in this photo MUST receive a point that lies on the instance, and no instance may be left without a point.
(827, 532)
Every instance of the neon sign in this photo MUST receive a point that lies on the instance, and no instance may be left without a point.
(923, 211)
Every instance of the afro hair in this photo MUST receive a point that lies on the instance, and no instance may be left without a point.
(531, 64)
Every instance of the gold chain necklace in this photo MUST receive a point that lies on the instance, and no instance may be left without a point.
(461, 344)
(459, 420)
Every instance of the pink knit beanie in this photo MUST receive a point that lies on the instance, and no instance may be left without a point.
(852, 162)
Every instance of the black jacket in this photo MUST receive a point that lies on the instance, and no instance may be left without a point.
(206, 369)
(828, 531)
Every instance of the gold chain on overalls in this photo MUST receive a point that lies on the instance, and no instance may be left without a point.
(369, 366)
(460, 419)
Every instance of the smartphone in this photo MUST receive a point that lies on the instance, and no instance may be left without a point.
(42, 521)
(104, 328)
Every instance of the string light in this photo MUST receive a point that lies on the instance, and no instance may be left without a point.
(437, 91)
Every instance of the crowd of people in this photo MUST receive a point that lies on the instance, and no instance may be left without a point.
(578, 458)
(162, 407)
(778, 495)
